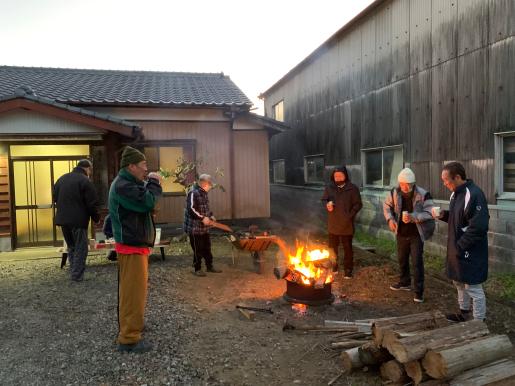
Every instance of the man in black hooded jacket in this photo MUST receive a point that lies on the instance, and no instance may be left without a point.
(343, 202)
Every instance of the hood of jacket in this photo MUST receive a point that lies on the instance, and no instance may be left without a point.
(343, 170)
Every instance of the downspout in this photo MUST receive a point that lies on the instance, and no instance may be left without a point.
(231, 165)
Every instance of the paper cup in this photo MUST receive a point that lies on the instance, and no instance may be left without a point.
(436, 211)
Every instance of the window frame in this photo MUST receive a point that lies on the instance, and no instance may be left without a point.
(274, 115)
(364, 165)
(499, 165)
(188, 149)
(306, 181)
(274, 179)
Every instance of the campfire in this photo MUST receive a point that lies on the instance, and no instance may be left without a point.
(308, 273)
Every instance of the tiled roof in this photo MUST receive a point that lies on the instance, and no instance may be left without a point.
(27, 93)
(76, 86)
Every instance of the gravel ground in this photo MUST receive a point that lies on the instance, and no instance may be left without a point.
(56, 332)
(53, 332)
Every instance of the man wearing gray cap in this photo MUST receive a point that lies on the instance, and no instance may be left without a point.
(198, 218)
(76, 201)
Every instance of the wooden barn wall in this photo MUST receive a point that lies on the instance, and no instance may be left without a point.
(212, 147)
(436, 76)
(252, 193)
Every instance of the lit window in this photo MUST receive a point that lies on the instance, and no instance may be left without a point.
(314, 169)
(382, 166)
(278, 171)
(166, 158)
(278, 111)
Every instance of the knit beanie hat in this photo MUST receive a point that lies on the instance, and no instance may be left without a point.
(407, 176)
(131, 156)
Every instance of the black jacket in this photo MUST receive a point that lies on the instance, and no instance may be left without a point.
(467, 242)
(76, 200)
(347, 204)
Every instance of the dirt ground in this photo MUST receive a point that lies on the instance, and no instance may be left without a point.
(53, 332)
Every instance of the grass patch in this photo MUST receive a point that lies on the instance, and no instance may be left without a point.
(502, 285)
(384, 247)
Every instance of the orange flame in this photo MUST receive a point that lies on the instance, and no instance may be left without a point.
(309, 264)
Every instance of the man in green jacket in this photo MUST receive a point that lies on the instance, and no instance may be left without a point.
(132, 198)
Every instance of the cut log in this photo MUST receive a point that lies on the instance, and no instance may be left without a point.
(451, 361)
(288, 326)
(408, 323)
(501, 370)
(350, 359)
(350, 343)
(361, 327)
(416, 372)
(393, 371)
(247, 314)
(415, 347)
(371, 354)
(434, 382)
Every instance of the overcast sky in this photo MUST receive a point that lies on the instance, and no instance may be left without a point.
(254, 42)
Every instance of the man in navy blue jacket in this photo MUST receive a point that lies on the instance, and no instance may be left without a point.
(467, 242)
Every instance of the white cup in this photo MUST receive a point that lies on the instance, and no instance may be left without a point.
(404, 216)
(435, 211)
(330, 206)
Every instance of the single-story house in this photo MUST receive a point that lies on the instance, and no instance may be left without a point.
(52, 117)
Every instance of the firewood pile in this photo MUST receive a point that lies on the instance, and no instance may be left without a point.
(424, 349)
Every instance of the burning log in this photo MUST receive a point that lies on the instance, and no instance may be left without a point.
(448, 362)
(393, 371)
(407, 324)
(415, 347)
(502, 370)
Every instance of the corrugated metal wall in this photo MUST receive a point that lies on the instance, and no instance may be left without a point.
(437, 76)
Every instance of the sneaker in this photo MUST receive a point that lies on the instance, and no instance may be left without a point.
(213, 270)
(112, 256)
(400, 287)
(199, 273)
(418, 299)
(137, 348)
(462, 316)
(348, 276)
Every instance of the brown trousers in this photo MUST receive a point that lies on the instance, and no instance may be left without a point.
(132, 296)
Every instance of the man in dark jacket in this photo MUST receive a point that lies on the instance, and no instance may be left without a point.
(76, 201)
(197, 220)
(343, 202)
(132, 198)
(407, 210)
(467, 241)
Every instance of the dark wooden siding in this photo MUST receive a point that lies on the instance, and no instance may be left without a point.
(435, 76)
(5, 202)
